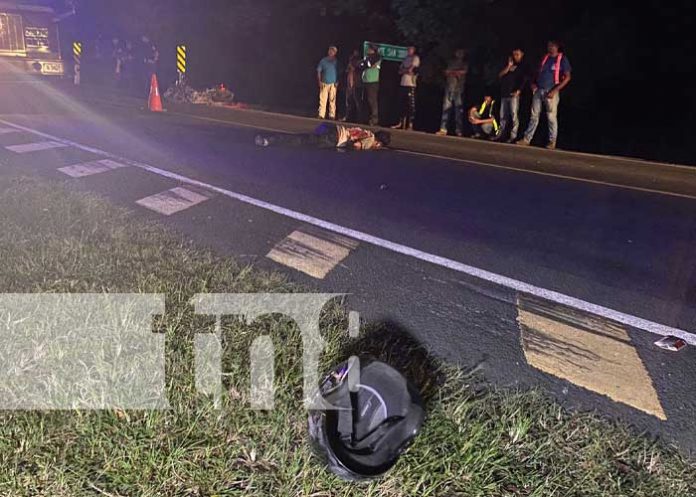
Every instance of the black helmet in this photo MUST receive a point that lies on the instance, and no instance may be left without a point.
(373, 421)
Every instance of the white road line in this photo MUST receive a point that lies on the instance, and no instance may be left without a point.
(35, 147)
(172, 201)
(91, 168)
(511, 283)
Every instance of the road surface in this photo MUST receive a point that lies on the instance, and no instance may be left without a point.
(536, 280)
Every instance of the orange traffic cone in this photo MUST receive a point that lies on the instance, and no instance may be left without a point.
(155, 102)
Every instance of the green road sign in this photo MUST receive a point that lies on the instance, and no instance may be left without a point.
(388, 52)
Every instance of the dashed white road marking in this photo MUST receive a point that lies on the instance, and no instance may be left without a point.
(91, 168)
(35, 147)
(172, 201)
(7, 131)
(482, 274)
(315, 253)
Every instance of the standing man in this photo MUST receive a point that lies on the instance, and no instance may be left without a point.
(407, 93)
(455, 75)
(371, 66)
(148, 56)
(353, 86)
(513, 77)
(554, 76)
(327, 78)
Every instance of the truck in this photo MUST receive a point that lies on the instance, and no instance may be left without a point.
(29, 40)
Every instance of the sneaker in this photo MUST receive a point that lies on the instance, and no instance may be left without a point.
(261, 141)
(397, 126)
(551, 146)
(460, 134)
(512, 139)
(442, 132)
(523, 142)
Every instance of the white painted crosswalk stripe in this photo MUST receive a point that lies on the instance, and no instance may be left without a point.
(7, 131)
(173, 201)
(91, 168)
(34, 147)
(313, 252)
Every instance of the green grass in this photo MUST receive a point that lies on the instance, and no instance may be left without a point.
(478, 441)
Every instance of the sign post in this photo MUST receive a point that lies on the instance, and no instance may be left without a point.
(77, 59)
(393, 53)
(181, 62)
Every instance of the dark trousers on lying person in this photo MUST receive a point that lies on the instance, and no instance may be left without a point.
(324, 137)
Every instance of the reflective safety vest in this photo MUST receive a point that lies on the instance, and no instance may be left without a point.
(484, 108)
(557, 72)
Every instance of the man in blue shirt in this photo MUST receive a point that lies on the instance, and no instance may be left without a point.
(554, 76)
(327, 78)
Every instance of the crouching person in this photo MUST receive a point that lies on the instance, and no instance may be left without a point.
(330, 136)
(483, 121)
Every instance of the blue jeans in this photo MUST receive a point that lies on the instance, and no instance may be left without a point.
(483, 129)
(510, 112)
(539, 100)
(453, 98)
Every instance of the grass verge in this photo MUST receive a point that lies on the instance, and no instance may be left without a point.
(477, 441)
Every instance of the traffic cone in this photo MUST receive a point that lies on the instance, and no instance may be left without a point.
(155, 101)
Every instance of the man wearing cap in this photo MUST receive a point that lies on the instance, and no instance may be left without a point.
(327, 78)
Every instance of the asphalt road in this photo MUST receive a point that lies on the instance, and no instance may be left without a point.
(423, 243)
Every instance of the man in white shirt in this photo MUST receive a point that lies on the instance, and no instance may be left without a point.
(407, 95)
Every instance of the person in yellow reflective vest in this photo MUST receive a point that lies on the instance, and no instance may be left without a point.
(483, 121)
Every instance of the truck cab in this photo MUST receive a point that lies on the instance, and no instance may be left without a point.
(29, 40)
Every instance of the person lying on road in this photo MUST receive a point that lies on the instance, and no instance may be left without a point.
(330, 136)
